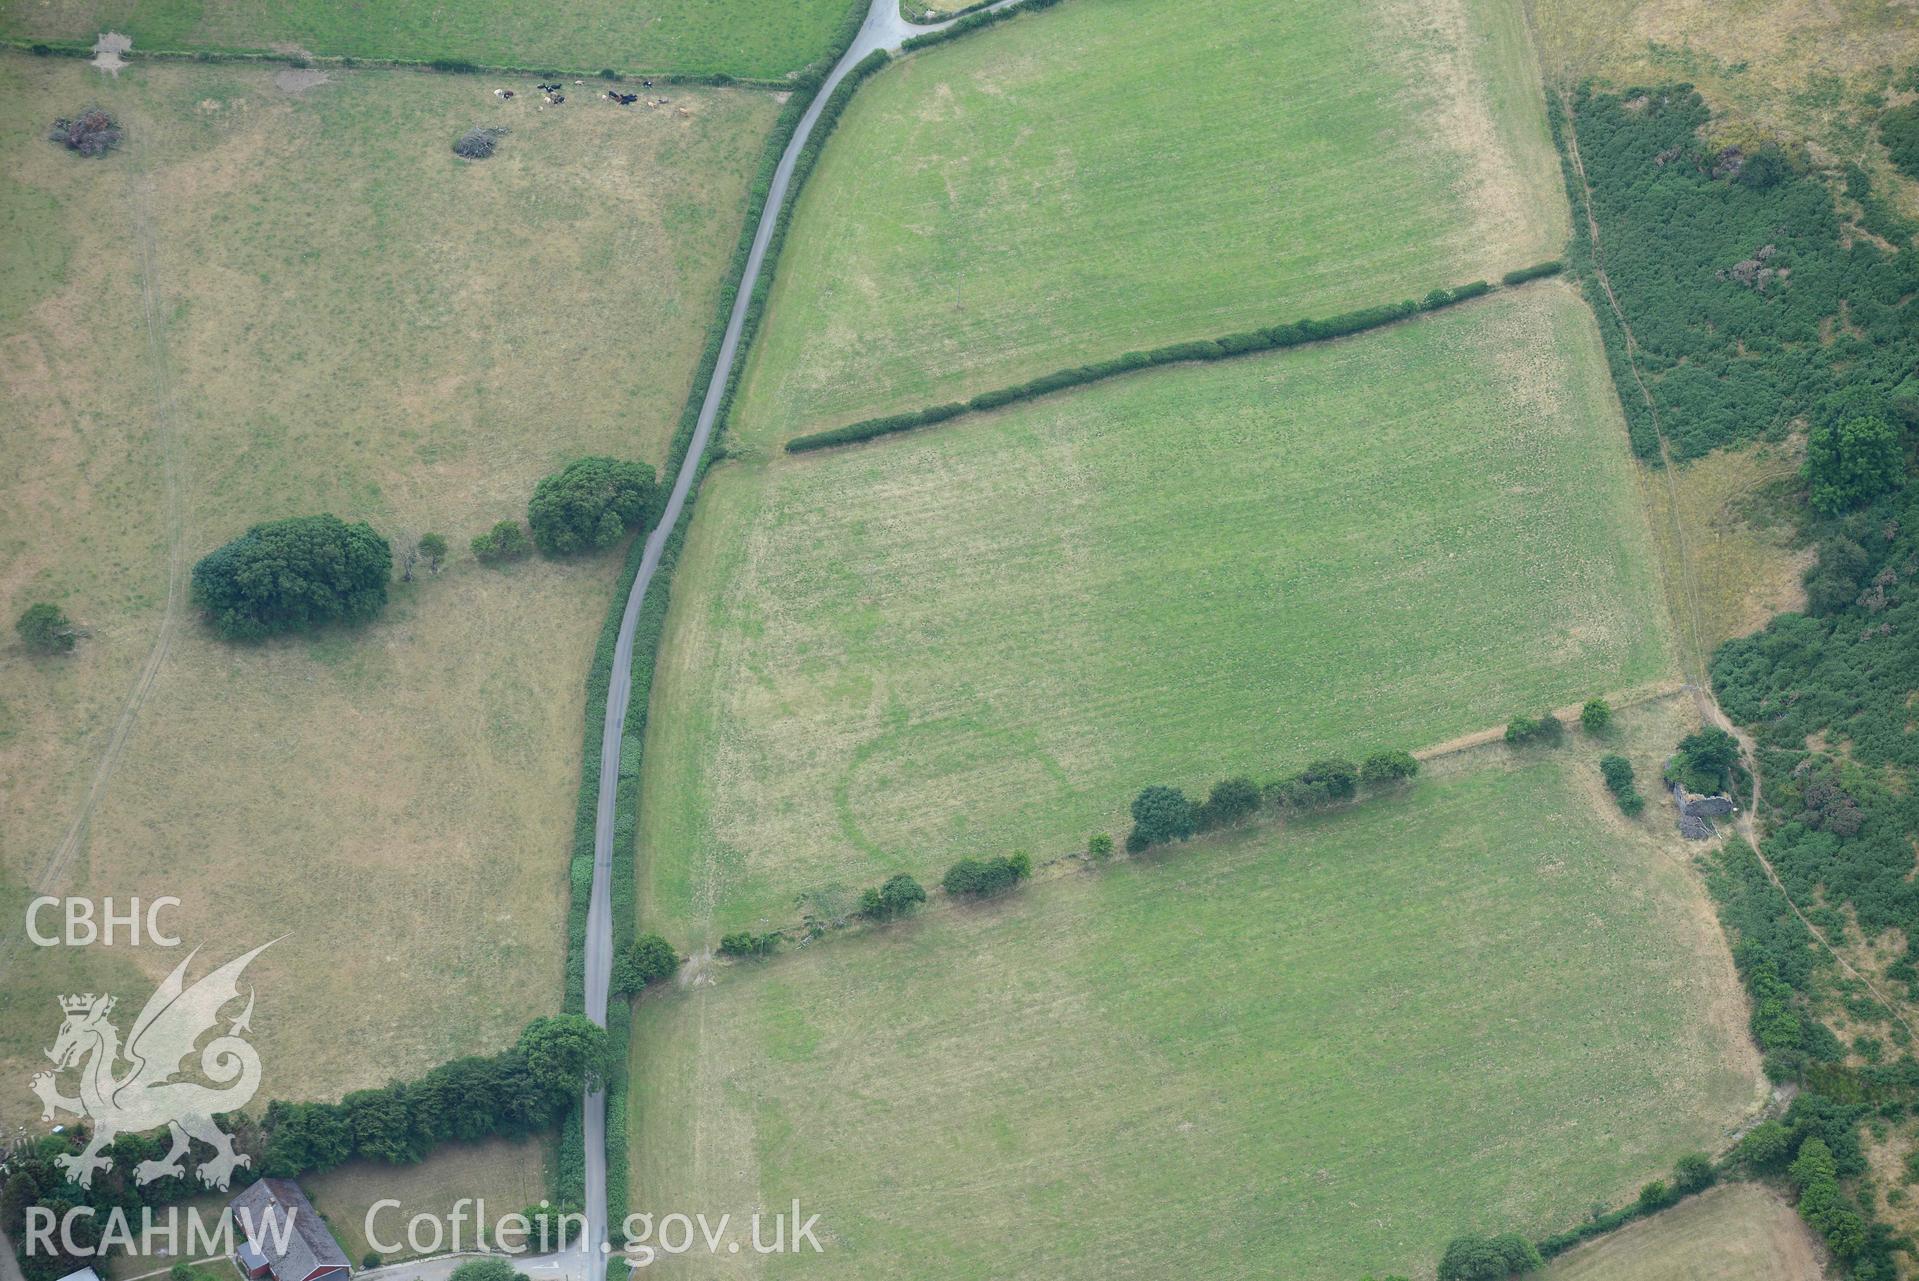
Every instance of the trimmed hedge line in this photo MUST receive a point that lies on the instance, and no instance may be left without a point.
(1551, 267)
(973, 22)
(1296, 334)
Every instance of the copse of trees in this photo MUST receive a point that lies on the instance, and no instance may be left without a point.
(589, 505)
(1899, 131)
(503, 543)
(983, 878)
(293, 575)
(647, 959)
(898, 897)
(46, 629)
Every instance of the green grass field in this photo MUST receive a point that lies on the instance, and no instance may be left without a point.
(1316, 1051)
(992, 209)
(1742, 1232)
(989, 635)
(345, 317)
(737, 37)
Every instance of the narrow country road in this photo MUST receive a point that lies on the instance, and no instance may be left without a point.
(884, 28)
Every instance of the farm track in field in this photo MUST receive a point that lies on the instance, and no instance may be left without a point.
(73, 843)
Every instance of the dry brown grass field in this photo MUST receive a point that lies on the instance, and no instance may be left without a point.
(272, 302)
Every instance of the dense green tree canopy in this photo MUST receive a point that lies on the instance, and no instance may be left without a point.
(45, 629)
(565, 1052)
(293, 575)
(589, 505)
(1852, 461)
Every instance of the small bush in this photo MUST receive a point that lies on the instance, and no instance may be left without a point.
(607, 73)
(371, 1259)
(457, 66)
(981, 878)
(1618, 773)
(1596, 716)
(1547, 731)
(1100, 846)
(746, 943)
(1321, 783)
(1388, 767)
(433, 549)
(91, 133)
(1161, 814)
(1694, 1173)
(505, 542)
(1655, 1196)
(1233, 800)
(899, 896)
(45, 629)
(479, 142)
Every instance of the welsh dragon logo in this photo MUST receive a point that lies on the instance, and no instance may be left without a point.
(143, 1095)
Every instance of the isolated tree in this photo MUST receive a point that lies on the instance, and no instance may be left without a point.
(506, 541)
(589, 505)
(45, 629)
(565, 1053)
(1852, 462)
(1596, 716)
(1388, 767)
(293, 575)
(433, 549)
(1161, 814)
(647, 959)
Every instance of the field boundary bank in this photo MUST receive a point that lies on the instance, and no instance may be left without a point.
(1489, 742)
(1251, 342)
(706, 409)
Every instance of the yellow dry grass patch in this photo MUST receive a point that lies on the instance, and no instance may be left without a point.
(507, 1175)
(305, 302)
(1726, 540)
(1739, 1232)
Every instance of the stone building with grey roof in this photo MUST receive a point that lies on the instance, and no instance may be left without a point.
(285, 1237)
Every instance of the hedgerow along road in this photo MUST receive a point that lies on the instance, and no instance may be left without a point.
(883, 28)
